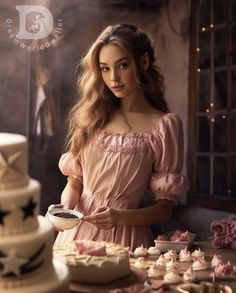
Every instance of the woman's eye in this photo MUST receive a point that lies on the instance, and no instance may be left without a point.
(104, 69)
(123, 65)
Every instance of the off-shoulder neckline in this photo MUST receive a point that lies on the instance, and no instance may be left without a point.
(136, 133)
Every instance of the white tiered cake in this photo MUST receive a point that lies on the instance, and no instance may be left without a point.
(26, 239)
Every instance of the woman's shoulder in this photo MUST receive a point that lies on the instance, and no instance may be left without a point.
(167, 121)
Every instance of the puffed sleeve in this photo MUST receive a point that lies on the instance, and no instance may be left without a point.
(167, 182)
(69, 166)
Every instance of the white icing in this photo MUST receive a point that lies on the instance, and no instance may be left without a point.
(95, 269)
(12, 201)
(198, 253)
(199, 264)
(153, 250)
(172, 277)
(140, 251)
(154, 271)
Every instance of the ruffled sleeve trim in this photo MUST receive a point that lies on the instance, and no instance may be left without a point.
(169, 185)
(69, 166)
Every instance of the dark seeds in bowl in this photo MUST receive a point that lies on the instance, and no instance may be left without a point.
(65, 215)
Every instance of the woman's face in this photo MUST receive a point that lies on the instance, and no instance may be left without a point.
(118, 71)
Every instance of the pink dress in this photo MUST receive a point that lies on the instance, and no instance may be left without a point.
(117, 169)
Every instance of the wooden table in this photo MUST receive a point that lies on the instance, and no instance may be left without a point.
(227, 255)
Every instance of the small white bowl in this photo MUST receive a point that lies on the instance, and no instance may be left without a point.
(63, 223)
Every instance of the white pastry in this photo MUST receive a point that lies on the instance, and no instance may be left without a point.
(170, 254)
(140, 251)
(172, 265)
(200, 264)
(141, 263)
(154, 251)
(172, 277)
(154, 271)
(198, 253)
(161, 262)
(185, 255)
(216, 260)
(189, 274)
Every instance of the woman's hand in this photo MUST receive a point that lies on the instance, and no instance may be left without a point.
(56, 206)
(104, 218)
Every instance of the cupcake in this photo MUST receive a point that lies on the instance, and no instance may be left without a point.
(154, 251)
(161, 262)
(189, 274)
(185, 255)
(200, 264)
(154, 271)
(140, 251)
(172, 265)
(170, 254)
(172, 277)
(216, 260)
(198, 253)
(141, 263)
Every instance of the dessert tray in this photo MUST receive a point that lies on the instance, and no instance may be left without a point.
(136, 276)
(165, 245)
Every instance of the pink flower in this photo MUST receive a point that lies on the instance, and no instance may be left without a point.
(224, 232)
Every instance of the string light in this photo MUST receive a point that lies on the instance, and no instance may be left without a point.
(213, 120)
(207, 110)
(224, 116)
(198, 49)
(211, 104)
(211, 25)
(203, 29)
(199, 69)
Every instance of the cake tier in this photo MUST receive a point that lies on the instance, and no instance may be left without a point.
(27, 257)
(93, 269)
(19, 209)
(13, 161)
(55, 282)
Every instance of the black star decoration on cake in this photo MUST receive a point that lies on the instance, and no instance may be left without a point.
(3, 214)
(28, 209)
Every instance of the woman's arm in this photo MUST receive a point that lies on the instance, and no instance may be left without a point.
(71, 193)
(107, 218)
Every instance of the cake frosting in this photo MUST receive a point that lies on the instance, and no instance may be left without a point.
(185, 255)
(94, 262)
(154, 271)
(140, 251)
(154, 251)
(161, 262)
(141, 263)
(189, 274)
(26, 239)
(216, 260)
(170, 254)
(198, 253)
(172, 265)
(172, 277)
(200, 264)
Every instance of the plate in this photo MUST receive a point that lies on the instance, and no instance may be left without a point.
(209, 287)
(136, 276)
(165, 245)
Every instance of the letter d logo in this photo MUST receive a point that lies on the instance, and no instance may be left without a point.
(42, 24)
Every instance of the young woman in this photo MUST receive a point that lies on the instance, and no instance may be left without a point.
(121, 141)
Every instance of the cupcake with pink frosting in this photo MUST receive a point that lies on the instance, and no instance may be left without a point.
(216, 260)
(198, 253)
(189, 275)
(170, 254)
(141, 263)
(154, 271)
(185, 255)
(200, 264)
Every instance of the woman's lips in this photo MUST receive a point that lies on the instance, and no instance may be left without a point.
(117, 88)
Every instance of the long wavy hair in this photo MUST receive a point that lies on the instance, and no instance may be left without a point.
(97, 103)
